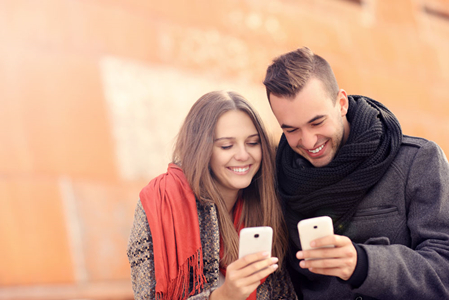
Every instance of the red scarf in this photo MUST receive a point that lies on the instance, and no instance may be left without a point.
(238, 207)
(170, 206)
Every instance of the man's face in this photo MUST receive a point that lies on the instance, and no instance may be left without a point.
(314, 126)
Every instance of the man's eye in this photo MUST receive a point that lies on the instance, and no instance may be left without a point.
(291, 130)
(319, 123)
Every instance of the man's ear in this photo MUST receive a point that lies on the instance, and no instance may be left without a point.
(342, 99)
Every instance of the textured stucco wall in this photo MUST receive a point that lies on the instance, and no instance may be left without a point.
(93, 92)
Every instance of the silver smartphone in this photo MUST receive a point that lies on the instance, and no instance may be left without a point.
(314, 228)
(255, 239)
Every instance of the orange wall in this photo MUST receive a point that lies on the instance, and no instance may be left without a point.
(92, 94)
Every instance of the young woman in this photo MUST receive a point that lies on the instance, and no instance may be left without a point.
(184, 241)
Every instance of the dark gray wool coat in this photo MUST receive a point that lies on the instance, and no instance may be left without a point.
(403, 225)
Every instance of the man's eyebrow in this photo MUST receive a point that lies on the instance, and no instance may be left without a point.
(285, 126)
(316, 118)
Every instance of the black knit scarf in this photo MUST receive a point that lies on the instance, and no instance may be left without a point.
(336, 189)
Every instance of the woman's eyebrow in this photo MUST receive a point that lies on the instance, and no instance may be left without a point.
(225, 138)
(233, 138)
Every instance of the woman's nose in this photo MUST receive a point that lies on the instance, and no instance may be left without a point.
(241, 154)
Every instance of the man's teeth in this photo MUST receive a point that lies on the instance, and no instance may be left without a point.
(240, 170)
(317, 149)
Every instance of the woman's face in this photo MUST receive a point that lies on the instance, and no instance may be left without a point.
(236, 153)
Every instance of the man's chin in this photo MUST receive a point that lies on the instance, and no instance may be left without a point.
(320, 165)
(319, 162)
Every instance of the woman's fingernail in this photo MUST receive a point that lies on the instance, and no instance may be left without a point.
(299, 255)
(275, 266)
(266, 254)
(274, 260)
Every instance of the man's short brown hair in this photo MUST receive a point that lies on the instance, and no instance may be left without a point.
(288, 74)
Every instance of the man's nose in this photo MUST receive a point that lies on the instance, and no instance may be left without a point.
(308, 140)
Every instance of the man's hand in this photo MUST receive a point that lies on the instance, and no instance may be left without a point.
(339, 261)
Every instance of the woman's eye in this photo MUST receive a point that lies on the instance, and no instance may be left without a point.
(226, 147)
(254, 143)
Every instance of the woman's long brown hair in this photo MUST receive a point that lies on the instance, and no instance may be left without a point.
(192, 152)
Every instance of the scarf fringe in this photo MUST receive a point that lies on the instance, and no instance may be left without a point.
(178, 288)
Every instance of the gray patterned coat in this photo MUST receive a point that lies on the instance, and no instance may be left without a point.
(140, 255)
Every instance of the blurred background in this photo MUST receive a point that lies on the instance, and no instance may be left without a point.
(93, 92)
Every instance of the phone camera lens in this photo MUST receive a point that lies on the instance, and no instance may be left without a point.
(256, 235)
(315, 227)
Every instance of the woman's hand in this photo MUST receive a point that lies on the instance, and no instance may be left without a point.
(243, 276)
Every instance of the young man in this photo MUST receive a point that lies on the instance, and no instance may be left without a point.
(388, 194)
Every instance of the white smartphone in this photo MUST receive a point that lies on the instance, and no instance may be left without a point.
(314, 228)
(255, 239)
